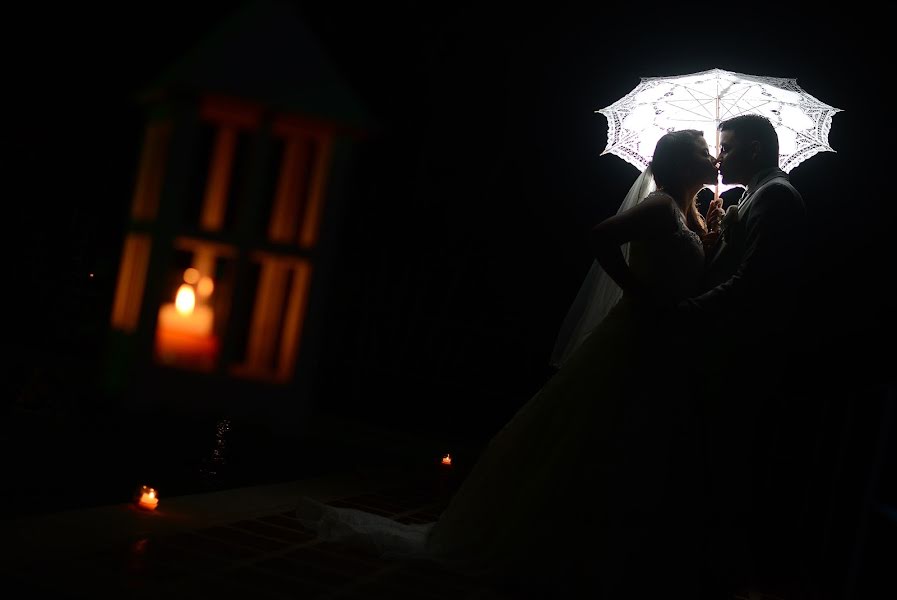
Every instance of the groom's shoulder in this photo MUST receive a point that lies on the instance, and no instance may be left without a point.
(778, 189)
(778, 200)
(778, 183)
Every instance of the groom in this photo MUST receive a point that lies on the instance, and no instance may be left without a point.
(750, 298)
(756, 262)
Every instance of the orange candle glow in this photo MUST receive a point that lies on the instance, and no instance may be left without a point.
(191, 276)
(447, 459)
(205, 287)
(184, 329)
(148, 498)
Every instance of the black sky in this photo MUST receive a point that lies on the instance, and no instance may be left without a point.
(465, 242)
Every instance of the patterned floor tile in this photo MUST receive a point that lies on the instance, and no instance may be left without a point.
(380, 502)
(286, 521)
(341, 503)
(284, 534)
(243, 538)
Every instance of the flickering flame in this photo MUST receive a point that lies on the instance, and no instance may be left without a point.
(447, 459)
(185, 300)
(191, 276)
(206, 287)
(148, 498)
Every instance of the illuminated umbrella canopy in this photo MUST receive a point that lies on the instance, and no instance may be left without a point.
(701, 101)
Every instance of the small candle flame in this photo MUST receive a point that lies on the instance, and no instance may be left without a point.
(185, 300)
(148, 499)
(447, 459)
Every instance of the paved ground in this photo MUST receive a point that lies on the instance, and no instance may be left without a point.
(236, 544)
(230, 544)
(244, 542)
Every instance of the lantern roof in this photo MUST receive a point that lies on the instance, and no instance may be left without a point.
(264, 53)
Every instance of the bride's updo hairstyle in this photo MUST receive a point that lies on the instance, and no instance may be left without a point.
(673, 160)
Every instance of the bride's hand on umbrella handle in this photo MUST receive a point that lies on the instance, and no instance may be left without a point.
(715, 214)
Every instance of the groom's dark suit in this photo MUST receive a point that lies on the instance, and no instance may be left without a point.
(754, 269)
(745, 317)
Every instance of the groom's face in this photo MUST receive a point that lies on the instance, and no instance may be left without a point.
(735, 162)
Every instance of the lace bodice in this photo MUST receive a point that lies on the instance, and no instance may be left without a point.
(670, 264)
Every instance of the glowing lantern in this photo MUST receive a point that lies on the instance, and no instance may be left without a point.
(447, 459)
(261, 238)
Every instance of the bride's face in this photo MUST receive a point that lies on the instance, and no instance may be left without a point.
(705, 163)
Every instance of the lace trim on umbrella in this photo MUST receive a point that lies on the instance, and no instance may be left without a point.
(731, 89)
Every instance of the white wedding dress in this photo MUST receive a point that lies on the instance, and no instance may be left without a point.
(545, 498)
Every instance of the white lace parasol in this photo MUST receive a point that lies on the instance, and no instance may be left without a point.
(701, 101)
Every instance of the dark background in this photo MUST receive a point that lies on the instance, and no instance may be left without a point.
(465, 239)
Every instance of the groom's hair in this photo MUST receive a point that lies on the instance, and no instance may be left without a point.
(673, 156)
(750, 128)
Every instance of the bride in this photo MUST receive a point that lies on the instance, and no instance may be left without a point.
(568, 484)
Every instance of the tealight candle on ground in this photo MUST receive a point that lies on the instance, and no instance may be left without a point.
(148, 498)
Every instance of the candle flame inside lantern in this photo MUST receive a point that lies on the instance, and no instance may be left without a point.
(447, 459)
(185, 300)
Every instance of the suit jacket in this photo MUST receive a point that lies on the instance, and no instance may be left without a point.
(754, 270)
